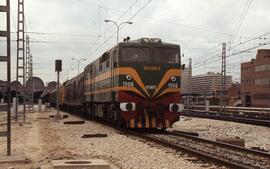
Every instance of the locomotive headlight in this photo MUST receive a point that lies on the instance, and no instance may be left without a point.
(128, 77)
(173, 78)
(176, 107)
(128, 106)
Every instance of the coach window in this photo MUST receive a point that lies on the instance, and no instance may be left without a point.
(133, 54)
(166, 55)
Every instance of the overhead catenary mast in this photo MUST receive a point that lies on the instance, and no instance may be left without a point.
(5, 10)
(223, 79)
(29, 77)
(20, 71)
(28, 57)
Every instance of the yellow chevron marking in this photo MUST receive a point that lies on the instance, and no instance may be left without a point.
(121, 88)
(153, 122)
(139, 124)
(102, 76)
(137, 79)
(169, 90)
(132, 123)
(119, 71)
(132, 89)
(166, 77)
(133, 73)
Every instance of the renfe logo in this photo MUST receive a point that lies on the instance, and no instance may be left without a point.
(150, 87)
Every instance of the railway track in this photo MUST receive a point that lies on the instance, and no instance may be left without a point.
(217, 152)
(243, 112)
(228, 117)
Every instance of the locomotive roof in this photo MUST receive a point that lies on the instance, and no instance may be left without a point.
(148, 41)
(139, 42)
(76, 78)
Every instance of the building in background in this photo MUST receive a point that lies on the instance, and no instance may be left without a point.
(202, 87)
(185, 81)
(234, 95)
(207, 86)
(255, 80)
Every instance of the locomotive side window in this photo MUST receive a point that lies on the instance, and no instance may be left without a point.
(104, 62)
(135, 54)
(100, 67)
(107, 63)
(115, 59)
(165, 55)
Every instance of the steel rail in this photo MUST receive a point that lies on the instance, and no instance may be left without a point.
(204, 154)
(227, 117)
(181, 143)
(221, 144)
(247, 111)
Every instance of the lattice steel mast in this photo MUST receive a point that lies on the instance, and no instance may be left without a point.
(29, 77)
(223, 79)
(28, 56)
(6, 34)
(20, 72)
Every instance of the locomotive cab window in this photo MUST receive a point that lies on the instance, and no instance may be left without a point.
(166, 55)
(135, 54)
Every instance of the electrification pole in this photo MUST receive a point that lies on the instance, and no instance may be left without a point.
(6, 34)
(20, 71)
(29, 64)
(29, 76)
(20, 74)
(78, 63)
(189, 81)
(223, 79)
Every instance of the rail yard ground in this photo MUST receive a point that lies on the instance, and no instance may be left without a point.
(43, 139)
(255, 136)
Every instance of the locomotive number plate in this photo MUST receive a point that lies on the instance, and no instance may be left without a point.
(155, 68)
(128, 84)
(172, 85)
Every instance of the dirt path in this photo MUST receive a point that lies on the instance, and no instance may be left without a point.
(37, 139)
(33, 144)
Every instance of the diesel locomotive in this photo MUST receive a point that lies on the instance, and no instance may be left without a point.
(135, 84)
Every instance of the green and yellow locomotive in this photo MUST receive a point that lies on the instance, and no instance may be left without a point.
(136, 84)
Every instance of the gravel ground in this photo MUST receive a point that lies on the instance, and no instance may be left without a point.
(255, 136)
(123, 151)
(43, 139)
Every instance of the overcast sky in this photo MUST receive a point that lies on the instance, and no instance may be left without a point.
(62, 29)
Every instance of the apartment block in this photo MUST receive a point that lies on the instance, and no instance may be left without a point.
(255, 80)
(209, 84)
(202, 87)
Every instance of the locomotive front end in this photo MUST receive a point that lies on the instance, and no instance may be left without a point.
(149, 84)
